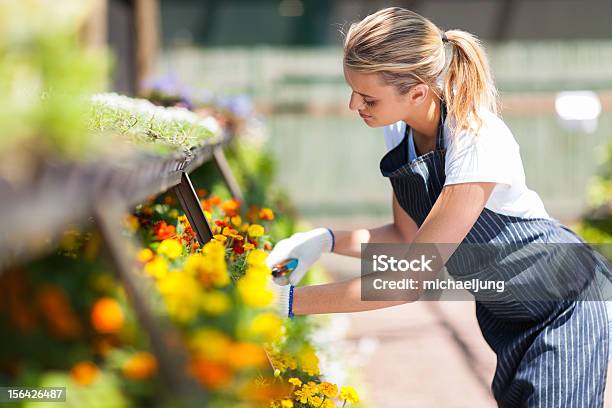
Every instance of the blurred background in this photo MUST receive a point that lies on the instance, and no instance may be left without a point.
(287, 56)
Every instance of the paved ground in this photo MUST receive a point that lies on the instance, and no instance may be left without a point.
(424, 354)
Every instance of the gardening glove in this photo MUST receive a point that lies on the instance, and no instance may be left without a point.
(283, 298)
(306, 247)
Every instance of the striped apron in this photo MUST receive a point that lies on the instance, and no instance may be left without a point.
(549, 354)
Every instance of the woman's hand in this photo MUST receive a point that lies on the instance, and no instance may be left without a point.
(306, 247)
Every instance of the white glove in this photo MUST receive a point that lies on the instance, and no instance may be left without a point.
(306, 247)
(283, 296)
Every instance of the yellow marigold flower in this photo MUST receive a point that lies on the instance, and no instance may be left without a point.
(315, 401)
(170, 248)
(283, 361)
(309, 361)
(183, 219)
(253, 291)
(327, 403)
(349, 394)
(267, 325)
(248, 246)
(295, 381)
(238, 237)
(181, 294)
(255, 230)
(208, 215)
(286, 403)
(244, 228)
(214, 249)
(261, 271)
(236, 220)
(210, 269)
(257, 258)
(328, 389)
(145, 255)
(307, 391)
(266, 214)
(158, 268)
(220, 238)
(211, 344)
(215, 302)
(173, 213)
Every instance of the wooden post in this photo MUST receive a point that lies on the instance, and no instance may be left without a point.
(226, 172)
(166, 342)
(147, 38)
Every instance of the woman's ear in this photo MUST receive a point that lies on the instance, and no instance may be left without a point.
(418, 94)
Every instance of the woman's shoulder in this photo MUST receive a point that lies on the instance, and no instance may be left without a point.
(492, 133)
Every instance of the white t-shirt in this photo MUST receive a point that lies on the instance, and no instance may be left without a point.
(490, 156)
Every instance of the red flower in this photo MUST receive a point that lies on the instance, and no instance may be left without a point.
(238, 247)
(221, 223)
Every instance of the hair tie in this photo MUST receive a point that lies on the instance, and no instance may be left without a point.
(444, 38)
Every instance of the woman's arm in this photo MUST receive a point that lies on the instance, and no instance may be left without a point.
(451, 218)
(403, 229)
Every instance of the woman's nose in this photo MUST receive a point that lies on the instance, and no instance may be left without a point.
(354, 102)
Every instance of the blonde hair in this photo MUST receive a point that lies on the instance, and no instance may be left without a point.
(407, 49)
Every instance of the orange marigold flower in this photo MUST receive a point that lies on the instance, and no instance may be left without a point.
(162, 230)
(266, 214)
(201, 192)
(220, 238)
(140, 366)
(84, 373)
(213, 375)
(107, 316)
(248, 246)
(252, 213)
(215, 200)
(231, 207)
(55, 306)
(169, 200)
(245, 354)
(229, 231)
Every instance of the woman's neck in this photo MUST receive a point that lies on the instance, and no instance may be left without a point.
(425, 123)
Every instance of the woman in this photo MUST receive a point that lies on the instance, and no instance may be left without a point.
(457, 177)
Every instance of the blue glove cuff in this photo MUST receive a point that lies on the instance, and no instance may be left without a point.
(333, 243)
(291, 315)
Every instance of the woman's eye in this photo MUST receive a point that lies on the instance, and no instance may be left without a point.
(370, 103)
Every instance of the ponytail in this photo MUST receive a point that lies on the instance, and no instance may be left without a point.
(468, 86)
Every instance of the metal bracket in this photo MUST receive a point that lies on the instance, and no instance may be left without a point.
(193, 209)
